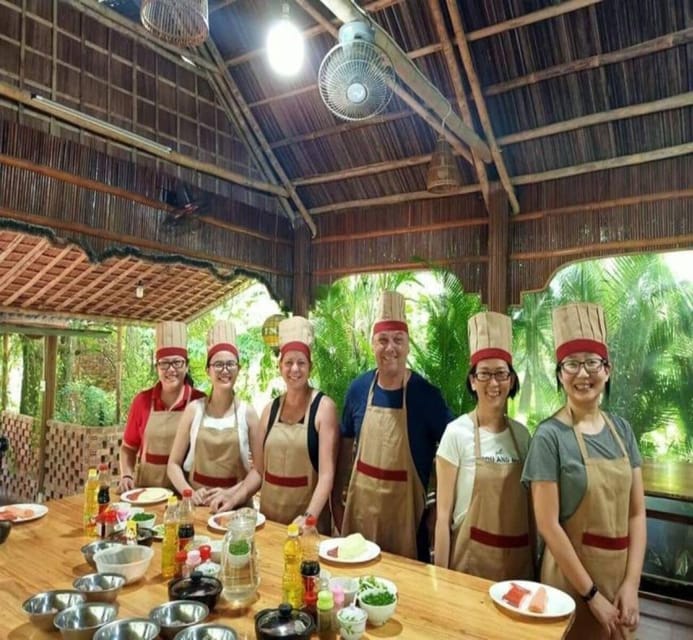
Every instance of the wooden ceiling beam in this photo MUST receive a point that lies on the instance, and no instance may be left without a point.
(460, 96)
(662, 43)
(473, 79)
(397, 198)
(567, 6)
(55, 282)
(341, 128)
(141, 276)
(363, 170)
(401, 266)
(601, 117)
(244, 116)
(102, 287)
(610, 163)
(371, 7)
(18, 268)
(38, 275)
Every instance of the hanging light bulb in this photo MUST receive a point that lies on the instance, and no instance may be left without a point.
(285, 47)
(139, 289)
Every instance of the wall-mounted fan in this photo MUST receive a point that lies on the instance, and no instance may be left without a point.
(356, 75)
(185, 210)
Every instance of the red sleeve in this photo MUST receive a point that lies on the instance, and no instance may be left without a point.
(137, 419)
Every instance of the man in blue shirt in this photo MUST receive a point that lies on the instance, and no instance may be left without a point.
(396, 418)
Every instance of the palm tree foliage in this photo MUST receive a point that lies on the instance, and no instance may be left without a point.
(442, 357)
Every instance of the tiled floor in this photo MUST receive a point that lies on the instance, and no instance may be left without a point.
(663, 621)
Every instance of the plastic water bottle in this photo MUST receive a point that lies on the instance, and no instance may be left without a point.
(91, 506)
(104, 496)
(292, 583)
(169, 545)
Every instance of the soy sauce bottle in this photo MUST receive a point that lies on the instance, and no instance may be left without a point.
(186, 528)
(310, 566)
(103, 498)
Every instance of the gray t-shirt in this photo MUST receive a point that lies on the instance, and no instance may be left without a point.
(554, 456)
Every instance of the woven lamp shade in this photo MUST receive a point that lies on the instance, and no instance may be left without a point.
(181, 22)
(443, 173)
(270, 331)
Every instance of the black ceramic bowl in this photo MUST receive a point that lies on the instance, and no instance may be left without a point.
(144, 537)
(5, 528)
(197, 587)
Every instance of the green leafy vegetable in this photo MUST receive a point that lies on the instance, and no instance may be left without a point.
(377, 598)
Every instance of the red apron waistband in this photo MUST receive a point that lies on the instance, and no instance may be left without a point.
(286, 481)
(155, 458)
(394, 475)
(211, 481)
(605, 542)
(497, 540)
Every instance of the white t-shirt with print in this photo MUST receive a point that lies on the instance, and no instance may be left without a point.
(457, 448)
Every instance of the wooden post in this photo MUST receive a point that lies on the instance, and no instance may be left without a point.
(5, 371)
(498, 244)
(119, 370)
(50, 366)
(301, 286)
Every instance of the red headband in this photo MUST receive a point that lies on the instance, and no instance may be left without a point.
(222, 346)
(390, 325)
(296, 345)
(581, 345)
(486, 354)
(166, 352)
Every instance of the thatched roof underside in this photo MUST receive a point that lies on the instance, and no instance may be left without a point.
(584, 107)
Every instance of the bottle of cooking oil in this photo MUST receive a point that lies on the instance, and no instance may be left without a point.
(292, 582)
(91, 507)
(169, 546)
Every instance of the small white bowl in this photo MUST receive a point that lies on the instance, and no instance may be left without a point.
(350, 587)
(131, 561)
(352, 623)
(378, 615)
(147, 523)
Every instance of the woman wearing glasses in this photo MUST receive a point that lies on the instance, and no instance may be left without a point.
(212, 450)
(301, 437)
(584, 471)
(483, 522)
(154, 412)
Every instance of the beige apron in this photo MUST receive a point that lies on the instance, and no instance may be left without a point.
(598, 530)
(386, 498)
(159, 433)
(217, 461)
(289, 479)
(493, 540)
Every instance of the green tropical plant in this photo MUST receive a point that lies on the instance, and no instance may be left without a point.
(442, 356)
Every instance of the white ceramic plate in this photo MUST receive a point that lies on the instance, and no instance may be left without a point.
(218, 522)
(558, 603)
(150, 495)
(38, 511)
(372, 551)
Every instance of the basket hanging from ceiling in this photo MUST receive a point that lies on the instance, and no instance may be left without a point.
(181, 22)
(443, 173)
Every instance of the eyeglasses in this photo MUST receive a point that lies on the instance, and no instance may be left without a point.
(499, 376)
(592, 365)
(230, 365)
(165, 365)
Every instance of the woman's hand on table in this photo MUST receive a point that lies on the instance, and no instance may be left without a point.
(199, 496)
(626, 602)
(125, 483)
(224, 500)
(607, 615)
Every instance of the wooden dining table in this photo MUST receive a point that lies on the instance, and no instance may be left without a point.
(434, 603)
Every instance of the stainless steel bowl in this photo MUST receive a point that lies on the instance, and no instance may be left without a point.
(100, 587)
(89, 550)
(82, 621)
(176, 615)
(211, 631)
(43, 607)
(128, 629)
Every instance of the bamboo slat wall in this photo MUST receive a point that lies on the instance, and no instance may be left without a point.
(71, 57)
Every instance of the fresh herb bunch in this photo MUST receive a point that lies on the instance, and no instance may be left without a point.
(239, 547)
(378, 598)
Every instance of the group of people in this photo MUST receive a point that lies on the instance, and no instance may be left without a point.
(576, 483)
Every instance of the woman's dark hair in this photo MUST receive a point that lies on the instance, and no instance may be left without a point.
(607, 386)
(514, 389)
